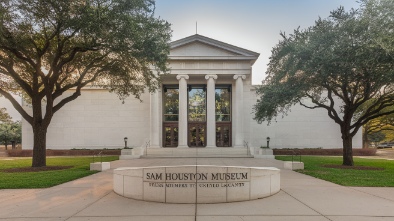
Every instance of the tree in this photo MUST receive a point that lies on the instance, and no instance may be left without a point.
(48, 47)
(336, 65)
(376, 137)
(10, 131)
(383, 125)
(4, 116)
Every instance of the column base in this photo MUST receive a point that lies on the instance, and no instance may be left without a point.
(211, 146)
(183, 146)
(239, 146)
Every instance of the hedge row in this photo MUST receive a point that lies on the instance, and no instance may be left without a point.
(29, 153)
(325, 152)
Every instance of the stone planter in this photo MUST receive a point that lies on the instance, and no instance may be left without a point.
(265, 153)
(100, 166)
(292, 165)
(196, 183)
(128, 154)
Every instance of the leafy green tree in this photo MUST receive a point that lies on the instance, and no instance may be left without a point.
(10, 132)
(48, 47)
(376, 137)
(4, 116)
(384, 125)
(336, 65)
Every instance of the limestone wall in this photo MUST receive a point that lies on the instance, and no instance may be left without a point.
(301, 128)
(96, 119)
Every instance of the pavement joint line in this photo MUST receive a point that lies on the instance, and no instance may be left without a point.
(381, 197)
(306, 205)
(195, 204)
(87, 206)
(32, 217)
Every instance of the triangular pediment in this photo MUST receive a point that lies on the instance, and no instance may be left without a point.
(200, 46)
(200, 49)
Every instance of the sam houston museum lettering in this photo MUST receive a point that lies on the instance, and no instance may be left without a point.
(196, 176)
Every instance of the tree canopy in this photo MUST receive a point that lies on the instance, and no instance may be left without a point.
(4, 116)
(337, 65)
(48, 47)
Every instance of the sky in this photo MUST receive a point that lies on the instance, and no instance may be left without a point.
(251, 24)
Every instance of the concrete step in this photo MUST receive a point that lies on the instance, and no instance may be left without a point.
(196, 152)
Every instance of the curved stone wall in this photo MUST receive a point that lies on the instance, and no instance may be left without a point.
(196, 184)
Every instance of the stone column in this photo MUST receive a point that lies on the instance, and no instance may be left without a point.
(211, 121)
(238, 115)
(154, 120)
(182, 121)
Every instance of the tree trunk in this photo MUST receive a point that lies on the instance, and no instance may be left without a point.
(347, 150)
(365, 136)
(39, 148)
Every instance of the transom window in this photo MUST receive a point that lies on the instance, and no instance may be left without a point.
(223, 103)
(197, 104)
(171, 103)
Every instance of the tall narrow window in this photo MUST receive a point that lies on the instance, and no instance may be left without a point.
(223, 115)
(197, 111)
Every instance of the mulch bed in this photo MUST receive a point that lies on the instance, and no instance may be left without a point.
(35, 169)
(335, 166)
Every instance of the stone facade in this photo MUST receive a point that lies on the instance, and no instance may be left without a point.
(98, 119)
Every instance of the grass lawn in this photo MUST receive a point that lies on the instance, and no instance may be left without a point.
(314, 166)
(18, 180)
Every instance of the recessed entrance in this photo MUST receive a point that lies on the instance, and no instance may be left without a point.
(223, 134)
(197, 135)
(197, 116)
(170, 134)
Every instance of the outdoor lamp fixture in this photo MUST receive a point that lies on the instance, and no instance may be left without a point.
(268, 142)
(125, 142)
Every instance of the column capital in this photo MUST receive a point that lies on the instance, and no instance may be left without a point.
(242, 76)
(213, 76)
(180, 76)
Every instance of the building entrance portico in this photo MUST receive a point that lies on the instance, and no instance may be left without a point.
(202, 96)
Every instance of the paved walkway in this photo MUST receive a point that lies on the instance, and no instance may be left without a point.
(301, 198)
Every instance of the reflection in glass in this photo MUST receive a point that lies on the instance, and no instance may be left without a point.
(197, 108)
(171, 104)
(170, 135)
(197, 135)
(223, 135)
(222, 104)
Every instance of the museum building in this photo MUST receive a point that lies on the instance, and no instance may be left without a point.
(206, 101)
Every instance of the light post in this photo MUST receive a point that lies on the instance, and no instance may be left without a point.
(125, 142)
(268, 142)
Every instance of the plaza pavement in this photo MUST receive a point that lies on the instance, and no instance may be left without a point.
(302, 198)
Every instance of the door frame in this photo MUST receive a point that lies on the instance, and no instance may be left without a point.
(172, 125)
(221, 124)
(191, 124)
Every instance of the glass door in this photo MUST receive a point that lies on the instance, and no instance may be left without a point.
(197, 135)
(170, 135)
(223, 135)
